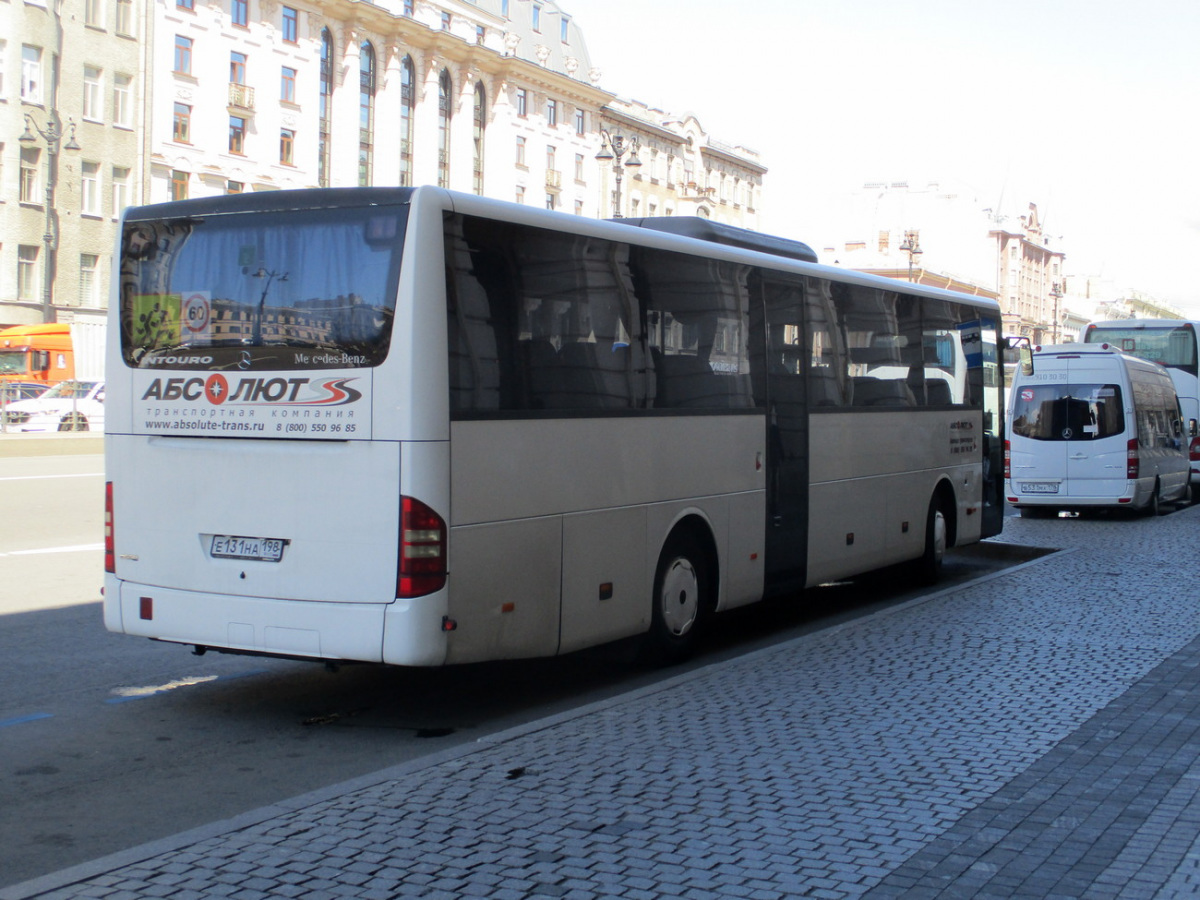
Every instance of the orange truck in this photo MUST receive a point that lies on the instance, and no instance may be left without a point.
(48, 354)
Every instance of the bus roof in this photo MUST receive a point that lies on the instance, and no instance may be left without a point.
(718, 233)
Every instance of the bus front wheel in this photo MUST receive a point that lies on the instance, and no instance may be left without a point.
(682, 585)
(929, 564)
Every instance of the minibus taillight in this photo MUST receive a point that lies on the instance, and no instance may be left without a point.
(422, 550)
(1007, 460)
(1132, 464)
(110, 554)
(1194, 449)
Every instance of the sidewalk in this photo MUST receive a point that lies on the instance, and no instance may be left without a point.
(1031, 734)
(51, 443)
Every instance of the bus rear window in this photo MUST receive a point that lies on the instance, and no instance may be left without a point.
(1067, 412)
(298, 289)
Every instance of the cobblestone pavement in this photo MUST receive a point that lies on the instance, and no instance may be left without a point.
(1032, 734)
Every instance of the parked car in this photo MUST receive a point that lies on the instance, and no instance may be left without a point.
(1090, 426)
(14, 391)
(68, 406)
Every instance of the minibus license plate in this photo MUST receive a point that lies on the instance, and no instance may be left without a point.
(231, 546)
(1038, 487)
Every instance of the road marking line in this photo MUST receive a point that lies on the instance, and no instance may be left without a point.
(78, 548)
(21, 720)
(36, 477)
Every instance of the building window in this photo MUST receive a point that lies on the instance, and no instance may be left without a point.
(93, 104)
(89, 193)
(366, 112)
(480, 34)
(579, 167)
(550, 201)
(237, 135)
(291, 20)
(179, 185)
(564, 29)
(409, 8)
(287, 141)
(580, 122)
(183, 124)
(30, 157)
(287, 85)
(239, 12)
(120, 189)
(446, 20)
(407, 109)
(89, 280)
(520, 198)
(550, 157)
(324, 115)
(93, 13)
(504, 8)
(237, 68)
(445, 102)
(521, 152)
(125, 17)
(551, 112)
(537, 17)
(479, 123)
(27, 260)
(234, 187)
(185, 4)
(579, 207)
(183, 55)
(522, 102)
(31, 74)
(123, 100)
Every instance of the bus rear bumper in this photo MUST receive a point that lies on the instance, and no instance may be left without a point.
(254, 625)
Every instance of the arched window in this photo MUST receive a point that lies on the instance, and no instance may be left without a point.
(480, 121)
(408, 103)
(445, 107)
(325, 126)
(366, 111)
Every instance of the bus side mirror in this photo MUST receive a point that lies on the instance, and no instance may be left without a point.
(39, 360)
(1192, 428)
(1026, 357)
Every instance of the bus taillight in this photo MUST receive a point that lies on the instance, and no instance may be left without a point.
(1007, 460)
(422, 550)
(1194, 450)
(110, 555)
(1132, 462)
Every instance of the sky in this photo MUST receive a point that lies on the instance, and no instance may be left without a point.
(1088, 108)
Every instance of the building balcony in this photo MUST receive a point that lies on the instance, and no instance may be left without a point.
(241, 96)
(554, 179)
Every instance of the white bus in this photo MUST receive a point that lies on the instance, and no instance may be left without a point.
(1170, 343)
(417, 427)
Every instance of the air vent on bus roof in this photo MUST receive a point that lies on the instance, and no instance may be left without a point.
(717, 233)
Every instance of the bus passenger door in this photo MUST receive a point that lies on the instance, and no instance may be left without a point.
(786, 369)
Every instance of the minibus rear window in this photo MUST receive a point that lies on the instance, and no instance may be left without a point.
(1067, 412)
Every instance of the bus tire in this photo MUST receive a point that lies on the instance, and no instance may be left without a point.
(682, 591)
(1154, 504)
(929, 564)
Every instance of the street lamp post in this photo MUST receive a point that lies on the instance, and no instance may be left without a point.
(613, 149)
(1056, 293)
(911, 246)
(52, 134)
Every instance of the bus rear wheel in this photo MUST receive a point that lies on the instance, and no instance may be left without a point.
(682, 589)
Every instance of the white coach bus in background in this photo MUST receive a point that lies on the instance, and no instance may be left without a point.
(417, 427)
(1170, 343)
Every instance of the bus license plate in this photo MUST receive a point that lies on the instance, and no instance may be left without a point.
(232, 546)
(1038, 487)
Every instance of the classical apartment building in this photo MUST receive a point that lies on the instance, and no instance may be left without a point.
(1029, 279)
(71, 81)
(203, 97)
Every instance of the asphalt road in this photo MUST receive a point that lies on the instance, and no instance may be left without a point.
(108, 741)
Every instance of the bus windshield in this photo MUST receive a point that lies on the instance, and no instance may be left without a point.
(261, 291)
(1173, 346)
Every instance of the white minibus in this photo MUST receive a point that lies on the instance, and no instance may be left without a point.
(1089, 427)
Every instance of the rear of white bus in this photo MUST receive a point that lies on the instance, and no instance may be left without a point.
(273, 487)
